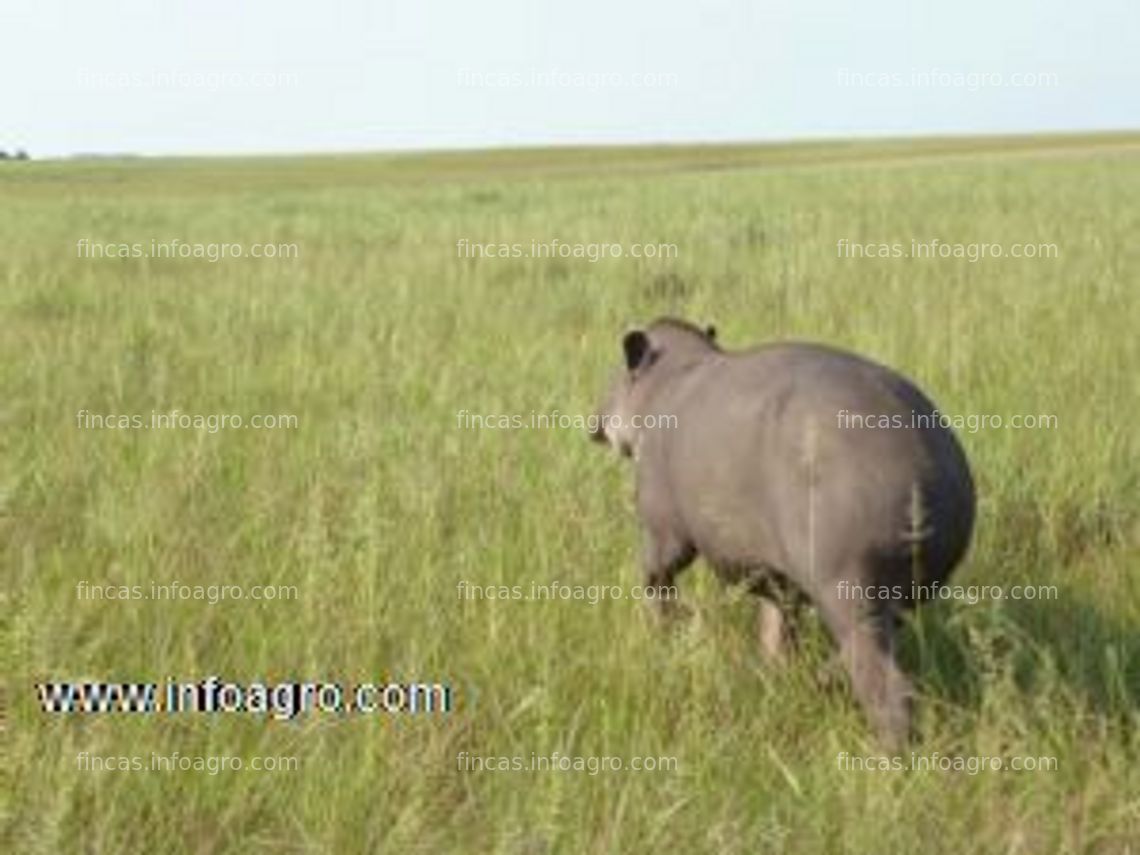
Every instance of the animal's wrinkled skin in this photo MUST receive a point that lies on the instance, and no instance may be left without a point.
(757, 464)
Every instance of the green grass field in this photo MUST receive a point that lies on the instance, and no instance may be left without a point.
(380, 502)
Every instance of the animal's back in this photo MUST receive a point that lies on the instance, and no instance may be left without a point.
(778, 465)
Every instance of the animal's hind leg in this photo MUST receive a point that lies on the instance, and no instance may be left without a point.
(866, 641)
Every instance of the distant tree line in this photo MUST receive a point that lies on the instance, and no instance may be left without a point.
(19, 154)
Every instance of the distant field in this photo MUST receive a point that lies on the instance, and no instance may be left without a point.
(380, 328)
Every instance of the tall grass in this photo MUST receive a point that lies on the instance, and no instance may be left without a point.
(381, 502)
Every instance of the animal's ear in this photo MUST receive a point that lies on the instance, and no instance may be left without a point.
(710, 332)
(636, 347)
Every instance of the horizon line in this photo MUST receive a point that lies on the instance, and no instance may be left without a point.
(752, 142)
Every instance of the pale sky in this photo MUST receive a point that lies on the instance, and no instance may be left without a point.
(248, 76)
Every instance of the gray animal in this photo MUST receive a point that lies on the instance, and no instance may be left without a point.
(805, 472)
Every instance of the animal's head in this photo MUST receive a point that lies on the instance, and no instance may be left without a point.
(652, 356)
